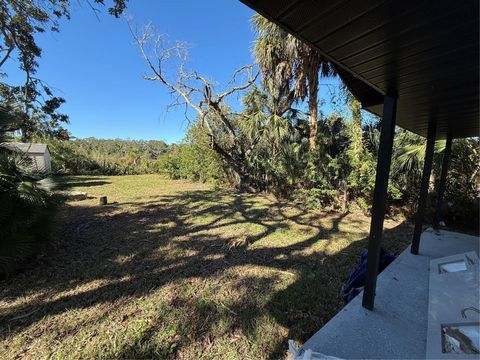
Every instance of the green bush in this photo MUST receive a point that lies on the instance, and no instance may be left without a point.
(315, 198)
(27, 210)
(169, 165)
(194, 160)
(462, 194)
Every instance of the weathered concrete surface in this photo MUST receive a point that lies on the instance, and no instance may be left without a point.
(397, 328)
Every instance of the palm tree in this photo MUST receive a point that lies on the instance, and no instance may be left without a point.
(291, 69)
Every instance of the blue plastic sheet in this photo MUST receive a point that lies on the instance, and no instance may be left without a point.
(354, 285)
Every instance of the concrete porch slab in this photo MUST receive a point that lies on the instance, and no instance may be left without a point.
(397, 328)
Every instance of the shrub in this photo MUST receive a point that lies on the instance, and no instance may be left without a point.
(26, 214)
(194, 160)
(315, 198)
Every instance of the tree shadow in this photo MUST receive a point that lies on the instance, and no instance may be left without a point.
(85, 184)
(108, 254)
(322, 278)
(69, 182)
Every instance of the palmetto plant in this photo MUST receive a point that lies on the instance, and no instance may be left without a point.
(278, 157)
(26, 202)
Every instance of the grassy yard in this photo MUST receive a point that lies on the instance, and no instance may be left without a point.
(173, 269)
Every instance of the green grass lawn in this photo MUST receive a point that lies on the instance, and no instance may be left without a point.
(173, 269)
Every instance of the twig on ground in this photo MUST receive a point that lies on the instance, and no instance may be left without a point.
(24, 315)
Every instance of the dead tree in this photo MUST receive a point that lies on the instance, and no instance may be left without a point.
(167, 65)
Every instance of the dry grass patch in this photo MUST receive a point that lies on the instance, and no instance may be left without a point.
(173, 269)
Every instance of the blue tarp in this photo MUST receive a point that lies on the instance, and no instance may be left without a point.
(354, 285)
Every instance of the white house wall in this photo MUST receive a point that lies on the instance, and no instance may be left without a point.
(42, 161)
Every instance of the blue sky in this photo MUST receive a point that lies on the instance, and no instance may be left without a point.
(93, 63)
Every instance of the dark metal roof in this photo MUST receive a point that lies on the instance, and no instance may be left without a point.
(426, 52)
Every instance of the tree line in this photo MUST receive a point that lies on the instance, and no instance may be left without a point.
(93, 156)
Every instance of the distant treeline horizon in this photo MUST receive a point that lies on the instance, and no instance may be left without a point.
(78, 138)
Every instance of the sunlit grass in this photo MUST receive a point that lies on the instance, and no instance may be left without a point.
(174, 269)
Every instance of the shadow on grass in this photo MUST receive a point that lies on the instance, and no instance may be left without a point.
(179, 237)
(66, 182)
(86, 184)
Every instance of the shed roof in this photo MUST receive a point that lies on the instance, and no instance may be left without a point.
(424, 52)
(29, 148)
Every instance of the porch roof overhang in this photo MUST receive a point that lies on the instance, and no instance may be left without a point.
(424, 52)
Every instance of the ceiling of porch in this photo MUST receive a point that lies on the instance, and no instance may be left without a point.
(424, 52)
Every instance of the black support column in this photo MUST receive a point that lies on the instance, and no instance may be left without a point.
(379, 199)
(443, 181)
(422, 202)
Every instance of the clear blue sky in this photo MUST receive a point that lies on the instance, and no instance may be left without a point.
(93, 63)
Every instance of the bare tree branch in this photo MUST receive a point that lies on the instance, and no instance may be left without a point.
(193, 90)
(251, 80)
(7, 55)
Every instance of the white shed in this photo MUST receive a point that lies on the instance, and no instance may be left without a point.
(39, 153)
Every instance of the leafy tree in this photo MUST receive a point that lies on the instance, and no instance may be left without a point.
(20, 22)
